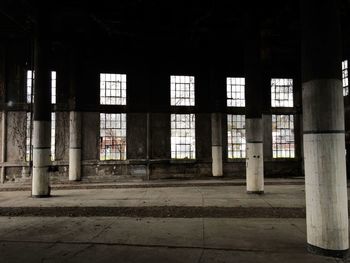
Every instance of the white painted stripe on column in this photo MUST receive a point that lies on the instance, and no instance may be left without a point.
(74, 164)
(326, 191)
(217, 160)
(74, 146)
(255, 168)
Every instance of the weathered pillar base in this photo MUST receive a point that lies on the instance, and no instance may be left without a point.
(75, 146)
(217, 160)
(216, 142)
(41, 159)
(74, 164)
(254, 156)
(327, 252)
(255, 168)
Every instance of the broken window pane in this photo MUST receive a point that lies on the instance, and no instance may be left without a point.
(283, 136)
(112, 136)
(183, 137)
(282, 92)
(182, 91)
(236, 136)
(345, 77)
(112, 89)
(235, 92)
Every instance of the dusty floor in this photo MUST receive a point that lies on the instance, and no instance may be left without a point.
(196, 223)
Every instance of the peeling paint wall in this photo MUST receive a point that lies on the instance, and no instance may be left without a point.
(16, 137)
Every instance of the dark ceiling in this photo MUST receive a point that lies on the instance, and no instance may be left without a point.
(205, 25)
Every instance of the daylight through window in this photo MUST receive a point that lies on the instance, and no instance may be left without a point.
(282, 92)
(236, 136)
(283, 136)
(183, 141)
(182, 91)
(345, 75)
(113, 89)
(112, 136)
(235, 92)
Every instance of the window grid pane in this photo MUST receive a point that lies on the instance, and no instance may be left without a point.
(345, 77)
(282, 92)
(28, 133)
(182, 91)
(53, 87)
(30, 84)
(236, 136)
(183, 137)
(112, 136)
(235, 92)
(112, 89)
(283, 136)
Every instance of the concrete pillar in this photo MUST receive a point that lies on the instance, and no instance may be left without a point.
(3, 146)
(323, 124)
(254, 105)
(42, 113)
(216, 144)
(254, 156)
(74, 146)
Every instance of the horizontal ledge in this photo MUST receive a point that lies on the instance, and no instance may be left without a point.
(324, 132)
(252, 141)
(158, 212)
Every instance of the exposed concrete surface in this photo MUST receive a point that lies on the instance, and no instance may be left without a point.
(112, 239)
(198, 196)
(159, 235)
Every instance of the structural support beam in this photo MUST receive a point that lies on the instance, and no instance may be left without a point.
(254, 103)
(42, 113)
(74, 146)
(255, 153)
(324, 136)
(3, 147)
(216, 144)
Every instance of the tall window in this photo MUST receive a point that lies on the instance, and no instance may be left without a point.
(182, 91)
(28, 136)
(235, 92)
(183, 142)
(345, 78)
(30, 84)
(283, 136)
(112, 136)
(113, 89)
(236, 136)
(282, 92)
(53, 87)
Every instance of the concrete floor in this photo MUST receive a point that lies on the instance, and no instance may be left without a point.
(156, 238)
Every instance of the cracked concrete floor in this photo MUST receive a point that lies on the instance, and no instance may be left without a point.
(121, 239)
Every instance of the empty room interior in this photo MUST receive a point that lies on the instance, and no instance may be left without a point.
(174, 131)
